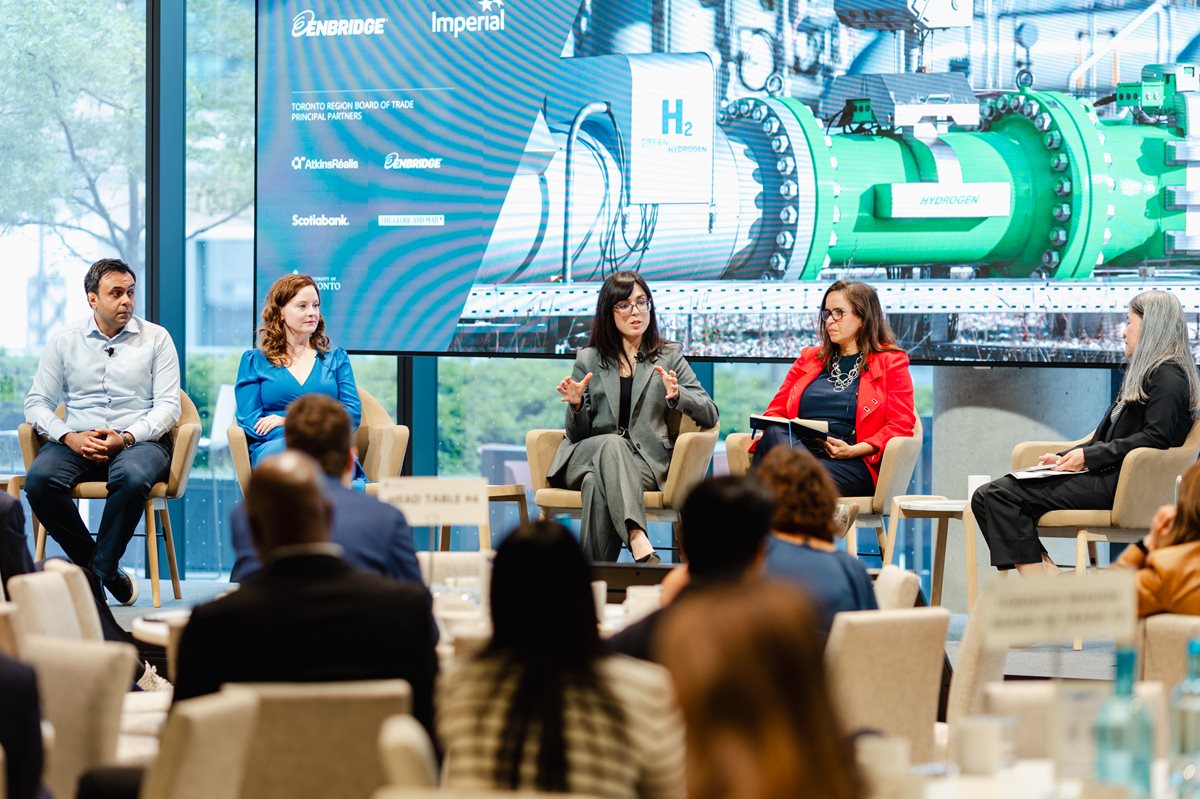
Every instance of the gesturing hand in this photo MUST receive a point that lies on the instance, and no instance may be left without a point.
(572, 391)
(670, 382)
(267, 424)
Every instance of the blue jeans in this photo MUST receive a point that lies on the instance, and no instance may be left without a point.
(129, 475)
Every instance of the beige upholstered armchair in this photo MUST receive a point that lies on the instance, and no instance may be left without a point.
(900, 457)
(1147, 480)
(381, 444)
(185, 437)
(690, 458)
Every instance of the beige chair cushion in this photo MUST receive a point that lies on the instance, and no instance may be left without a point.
(204, 748)
(438, 566)
(82, 598)
(407, 752)
(45, 604)
(1076, 518)
(1164, 641)
(896, 588)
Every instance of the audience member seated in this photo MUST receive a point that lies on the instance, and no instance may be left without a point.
(373, 535)
(1168, 558)
(308, 616)
(20, 730)
(748, 663)
(800, 549)
(723, 529)
(543, 708)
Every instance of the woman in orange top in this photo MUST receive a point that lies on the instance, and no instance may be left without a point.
(1168, 558)
(857, 380)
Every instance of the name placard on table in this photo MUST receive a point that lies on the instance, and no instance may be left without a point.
(438, 501)
(1023, 611)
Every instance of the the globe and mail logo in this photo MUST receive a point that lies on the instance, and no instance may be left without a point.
(306, 24)
(396, 161)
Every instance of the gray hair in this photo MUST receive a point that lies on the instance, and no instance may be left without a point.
(1164, 339)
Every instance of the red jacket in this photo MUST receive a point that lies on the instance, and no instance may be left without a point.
(885, 398)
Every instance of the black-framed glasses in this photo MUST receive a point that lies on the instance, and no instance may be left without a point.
(625, 307)
(835, 313)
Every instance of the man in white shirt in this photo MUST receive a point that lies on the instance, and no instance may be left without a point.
(118, 376)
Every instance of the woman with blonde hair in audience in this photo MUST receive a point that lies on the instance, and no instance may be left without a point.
(748, 665)
(544, 708)
(1168, 558)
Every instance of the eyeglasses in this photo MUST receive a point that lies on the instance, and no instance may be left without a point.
(835, 313)
(626, 308)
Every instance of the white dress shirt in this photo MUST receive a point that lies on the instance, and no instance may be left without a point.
(129, 382)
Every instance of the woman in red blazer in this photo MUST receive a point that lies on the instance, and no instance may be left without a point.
(857, 380)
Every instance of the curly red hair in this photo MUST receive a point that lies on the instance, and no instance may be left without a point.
(272, 336)
(805, 494)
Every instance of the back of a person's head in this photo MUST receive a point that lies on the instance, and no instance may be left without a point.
(1186, 527)
(747, 660)
(286, 503)
(541, 597)
(319, 426)
(805, 495)
(723, 523)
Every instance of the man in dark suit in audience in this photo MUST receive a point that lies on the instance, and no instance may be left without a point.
(373, 535)
(20, 730)
(14, 547)
(724, 523)
(308, 616)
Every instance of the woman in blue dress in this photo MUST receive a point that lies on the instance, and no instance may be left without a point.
(293, 357)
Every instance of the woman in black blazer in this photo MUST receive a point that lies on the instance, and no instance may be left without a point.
(1158, 399)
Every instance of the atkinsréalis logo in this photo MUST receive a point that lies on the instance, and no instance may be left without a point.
(306, 24)
(491, 17)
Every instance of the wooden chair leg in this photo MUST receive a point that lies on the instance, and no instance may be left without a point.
(169, 540)
(522, 509)
(1081, 555)
(969, 557)
(152, 554)
(485, 537)
(889, 550)
(444, 544)
(939, 561)
(881, 538)
(1093, 557)
(852, 540)
(39, 539)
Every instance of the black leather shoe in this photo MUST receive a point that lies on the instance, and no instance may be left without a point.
(649, 560)
(123, 588)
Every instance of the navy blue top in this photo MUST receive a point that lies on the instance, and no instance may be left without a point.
(263, 388)
(820, 402)
(834, 580)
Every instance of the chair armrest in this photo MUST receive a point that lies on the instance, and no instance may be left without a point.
(239, 450)
(737, 453)
(30, 442)
(1026, 453)
(1147, 480)
(540, 446)
(896, 467)
(183, 452)
(385, 451)
(689, 463)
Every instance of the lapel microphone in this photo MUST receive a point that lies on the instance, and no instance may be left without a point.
(110, 350)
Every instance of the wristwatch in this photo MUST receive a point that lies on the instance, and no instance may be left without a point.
(128, 438)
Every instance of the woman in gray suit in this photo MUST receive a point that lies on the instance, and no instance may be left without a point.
(624, 385)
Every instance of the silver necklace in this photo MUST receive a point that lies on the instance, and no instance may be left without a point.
(843, 380)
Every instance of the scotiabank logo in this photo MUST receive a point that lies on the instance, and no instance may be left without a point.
(491, 17)
(306, 24)
(320, 220)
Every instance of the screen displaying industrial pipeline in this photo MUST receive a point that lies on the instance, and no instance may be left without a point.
(460, 175)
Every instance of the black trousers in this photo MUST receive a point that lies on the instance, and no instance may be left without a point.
(851, 475)
(1007, 510)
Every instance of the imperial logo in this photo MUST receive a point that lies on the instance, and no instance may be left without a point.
(306, 24)
(491, 18)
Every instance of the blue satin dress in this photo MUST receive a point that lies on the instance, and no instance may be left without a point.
(263, 389)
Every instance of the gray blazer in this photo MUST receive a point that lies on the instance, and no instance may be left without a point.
(649, 409)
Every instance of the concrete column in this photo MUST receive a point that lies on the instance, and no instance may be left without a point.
(979, 415)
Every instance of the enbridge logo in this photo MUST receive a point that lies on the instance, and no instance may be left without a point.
(491, 17)
(395, 161)
(306, 24)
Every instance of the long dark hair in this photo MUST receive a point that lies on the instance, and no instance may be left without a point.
(875, 335)
(544, 632)
(606, 339)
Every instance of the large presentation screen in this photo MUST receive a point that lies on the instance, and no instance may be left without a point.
(460, 175)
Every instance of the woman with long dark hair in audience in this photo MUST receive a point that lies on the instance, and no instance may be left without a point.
(748, 663)
(856, 380)
(543, 708)
(800, 548)
(1168, 558)
(1155, 406)
(624, 387)
(293, 357)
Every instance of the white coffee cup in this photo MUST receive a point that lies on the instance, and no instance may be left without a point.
(978, 745)
(600, 597)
